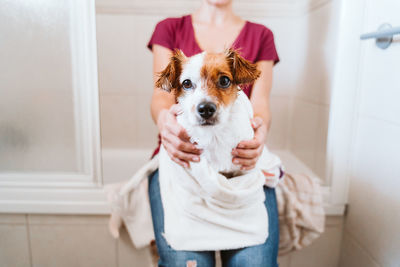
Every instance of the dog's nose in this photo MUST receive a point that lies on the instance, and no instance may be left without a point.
(206, 109)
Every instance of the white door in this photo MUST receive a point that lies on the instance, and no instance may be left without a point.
(366, 90)
(380, 68)
(371, 235)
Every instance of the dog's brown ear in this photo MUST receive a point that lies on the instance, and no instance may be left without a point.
(243, 71)
(169, 78)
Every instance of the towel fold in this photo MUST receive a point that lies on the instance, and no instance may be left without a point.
(301, 212)
(225, 213)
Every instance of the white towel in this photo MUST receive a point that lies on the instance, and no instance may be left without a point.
(130, 205)
(203, 210)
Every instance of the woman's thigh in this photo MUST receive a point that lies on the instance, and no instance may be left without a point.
(168, 256)
(266, 254)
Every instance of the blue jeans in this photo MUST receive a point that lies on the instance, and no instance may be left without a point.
(264, 255)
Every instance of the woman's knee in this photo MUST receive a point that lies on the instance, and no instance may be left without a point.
(186, 259)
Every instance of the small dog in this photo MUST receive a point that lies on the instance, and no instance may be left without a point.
(215, 112)
(216, 115)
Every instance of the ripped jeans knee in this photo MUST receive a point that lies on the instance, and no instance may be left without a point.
(191, 263)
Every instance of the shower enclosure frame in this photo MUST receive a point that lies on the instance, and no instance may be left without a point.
(68, 192)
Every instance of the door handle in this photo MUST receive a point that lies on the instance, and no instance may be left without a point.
(384, 35)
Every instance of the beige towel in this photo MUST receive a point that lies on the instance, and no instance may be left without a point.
(301, 212)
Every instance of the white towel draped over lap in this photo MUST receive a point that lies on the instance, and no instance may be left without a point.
(203, 210)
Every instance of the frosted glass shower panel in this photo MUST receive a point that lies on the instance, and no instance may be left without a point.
(38, 114)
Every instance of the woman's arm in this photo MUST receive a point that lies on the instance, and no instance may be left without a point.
(247, 152)
(173, 136)
(261, 92)
(161, 100)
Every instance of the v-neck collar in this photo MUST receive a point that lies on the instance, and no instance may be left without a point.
(241, 32)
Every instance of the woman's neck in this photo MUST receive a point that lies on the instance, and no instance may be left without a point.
(216, 15)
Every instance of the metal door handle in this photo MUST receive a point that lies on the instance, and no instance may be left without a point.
(384, 35)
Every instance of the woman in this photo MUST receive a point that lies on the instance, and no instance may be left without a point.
(213, 28)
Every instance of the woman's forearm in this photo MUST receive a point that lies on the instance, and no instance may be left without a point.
(160, 101)
(261, 108)
(260, 96)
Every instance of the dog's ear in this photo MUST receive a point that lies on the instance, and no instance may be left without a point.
(169, 78)
(243, 71)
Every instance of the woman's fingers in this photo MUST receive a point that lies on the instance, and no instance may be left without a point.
(245, 153)
(259, 135)
(179, 149)
(256, 122)
(180, 144)
(178, 130)
(245, 162)
(246, 168)
(175, 109)
(249, 144)
(178, 156)
(184, 164)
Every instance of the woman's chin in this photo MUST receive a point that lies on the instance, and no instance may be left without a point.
(219, 2)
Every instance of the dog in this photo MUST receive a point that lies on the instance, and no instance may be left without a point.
(215, 112)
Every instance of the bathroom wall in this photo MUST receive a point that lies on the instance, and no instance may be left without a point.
(302, 82)
(311, 99)
(304, 32)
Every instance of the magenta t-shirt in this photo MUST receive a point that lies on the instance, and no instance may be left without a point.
(255, 42)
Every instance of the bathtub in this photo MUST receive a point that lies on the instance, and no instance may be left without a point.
(121, 164)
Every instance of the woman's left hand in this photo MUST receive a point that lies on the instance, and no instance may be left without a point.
(247, 152)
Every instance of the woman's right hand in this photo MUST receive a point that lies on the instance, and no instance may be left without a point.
(175, 139)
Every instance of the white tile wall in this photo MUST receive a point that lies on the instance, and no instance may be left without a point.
(125, 80)
(60, 240)
(14, 245)
(278, 133)
(304, 129)
(315, 80)
(126, 122)
(129, 256)
(71, 241)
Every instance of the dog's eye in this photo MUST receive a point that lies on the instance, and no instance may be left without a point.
(187, 84)
(224, 82)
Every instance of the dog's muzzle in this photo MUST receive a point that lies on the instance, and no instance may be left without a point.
(206, 110)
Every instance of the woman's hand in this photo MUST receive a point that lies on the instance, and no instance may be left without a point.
(175, 139)
(247, 152)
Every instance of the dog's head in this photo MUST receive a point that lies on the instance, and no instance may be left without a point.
(206, 85)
